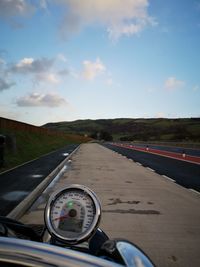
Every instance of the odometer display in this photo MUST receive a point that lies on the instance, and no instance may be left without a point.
(72, 214)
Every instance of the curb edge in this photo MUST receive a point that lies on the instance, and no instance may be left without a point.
(23, 206)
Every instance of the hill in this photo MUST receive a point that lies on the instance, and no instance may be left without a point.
(179, 130)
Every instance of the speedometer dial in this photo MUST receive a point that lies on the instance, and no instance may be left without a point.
(73, 214)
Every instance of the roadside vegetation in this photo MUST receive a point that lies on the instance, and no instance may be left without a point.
(151, 130)
(23, 146)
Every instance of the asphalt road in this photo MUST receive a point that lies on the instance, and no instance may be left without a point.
(137, 205)
(188, 151)
(16, 184)
(184, 173)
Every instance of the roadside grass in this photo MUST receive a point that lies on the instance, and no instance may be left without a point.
(24, 146)
(194, 129)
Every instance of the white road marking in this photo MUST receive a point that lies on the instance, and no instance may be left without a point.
(138, 163)
(65, 154)
(168, 178)
(37, 175)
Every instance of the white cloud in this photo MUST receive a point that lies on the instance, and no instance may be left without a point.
(40, 69)
(25, 62)
(41, 100)
(120, 17)
(30, 65)
(15, 8)
(172, 84)
(47, 77)
(128, 29)
(4, 84)
(160, 115)
(92, 69)
(62, 57)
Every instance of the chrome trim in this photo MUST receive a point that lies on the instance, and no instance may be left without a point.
(84, 236)
(46, 237)
(29, 253)
(132, 256)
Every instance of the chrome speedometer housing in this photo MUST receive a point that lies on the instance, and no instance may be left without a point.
(72, 214)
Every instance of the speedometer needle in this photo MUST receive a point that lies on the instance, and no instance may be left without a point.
(61, 217)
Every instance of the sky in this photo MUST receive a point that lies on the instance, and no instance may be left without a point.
(64, 60)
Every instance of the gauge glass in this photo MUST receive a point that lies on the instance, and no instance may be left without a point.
(72, 214)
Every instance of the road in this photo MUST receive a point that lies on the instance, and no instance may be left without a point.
(184, 173)
(188, 151)
(19, 182)
(157, 215)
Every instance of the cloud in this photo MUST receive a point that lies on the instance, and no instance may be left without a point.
(172, 84)
(51, 100)
(119, 17)
(47, 77)
(61, 57)
(160, 115)
(30, 65)
(40, 69)
(15, 8)
(92, 69)
(4, 84)
(63, 72)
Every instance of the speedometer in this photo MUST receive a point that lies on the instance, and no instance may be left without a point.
(72, 214)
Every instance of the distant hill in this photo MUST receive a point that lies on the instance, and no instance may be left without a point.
(186, 129)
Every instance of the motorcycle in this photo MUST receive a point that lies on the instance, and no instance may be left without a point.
(70, 237)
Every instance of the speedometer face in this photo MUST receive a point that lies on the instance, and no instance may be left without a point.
(72, 214)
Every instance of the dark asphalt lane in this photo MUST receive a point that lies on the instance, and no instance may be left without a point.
(188, 151)
(16, 184)
(184, 173)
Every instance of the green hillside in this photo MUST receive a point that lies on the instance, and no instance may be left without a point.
(179, 130)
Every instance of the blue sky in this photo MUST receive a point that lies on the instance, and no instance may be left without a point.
(62, 60)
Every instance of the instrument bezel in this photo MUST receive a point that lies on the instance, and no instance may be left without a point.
(94, 225)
